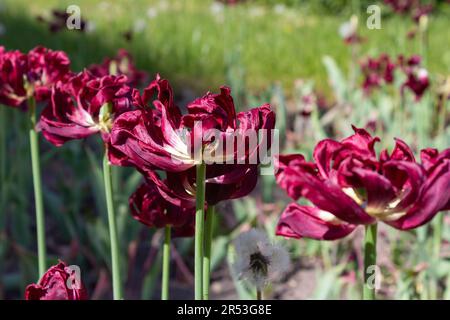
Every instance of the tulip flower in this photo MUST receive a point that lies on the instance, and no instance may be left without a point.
(377, 71)
(417, 79)
(150, 208)
(85, 105)
(121, 64)
(349, 185)
(59, 283)
(25, 76)
(24, 80)
(193, 150)
(222, 183)
(82, 106)
(164, 138)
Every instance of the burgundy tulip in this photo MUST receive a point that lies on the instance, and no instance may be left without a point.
(23, 76)
(349, 185)
(417, 79)
(13, 71)
(377, 71)
(162, 139)
(413, 8)
(122, 64)
(401, 6)
(58, 283)
(45, 68)
(150, 208)
(222, 183)
(421, 11)
(85, 105)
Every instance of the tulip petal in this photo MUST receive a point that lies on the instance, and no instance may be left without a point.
(434, 197)
(323, 155)
(302, 221)
(325, 195)
(378, 188)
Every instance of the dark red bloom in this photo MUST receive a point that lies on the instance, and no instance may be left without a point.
(24, 76)
(349, 185)
(401, 6)
(223, 182)
(150, 208)
(164, 139)
(417, 79)
(421, 11)
(58, 283)
(85, 105)
(13, 70)
(414, 8)
(123, 63)
(377, 71)
(45, 68)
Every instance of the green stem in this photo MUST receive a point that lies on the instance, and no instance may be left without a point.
(442, 114)
(207, 254)
(437, 235)
(3, 149)
(258, 294)
(39, 206)
(199, 221)
(370, 261)
(115, 261)
(166, 264)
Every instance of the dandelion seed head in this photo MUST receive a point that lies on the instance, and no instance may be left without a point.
(258, 261)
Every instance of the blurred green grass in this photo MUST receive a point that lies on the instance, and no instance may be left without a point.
(193, 42)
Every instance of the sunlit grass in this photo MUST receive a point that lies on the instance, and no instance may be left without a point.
(191, 41)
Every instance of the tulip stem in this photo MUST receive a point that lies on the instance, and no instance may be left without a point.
(207, 254)
(370, 261)
(37, 184)
(3, 151)
(258, 294)
(199, 222)
(166, 264)
(115, 261)
(437, 235)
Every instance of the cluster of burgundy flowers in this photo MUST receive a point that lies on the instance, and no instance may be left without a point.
(349, 185)
(145, 130)
(381, 70)
(377, 71)
(414, 8)
(156, 140)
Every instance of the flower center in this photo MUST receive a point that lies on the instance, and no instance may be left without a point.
(384, 212)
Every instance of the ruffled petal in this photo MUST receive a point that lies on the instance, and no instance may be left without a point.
(302, 221)
(434, 197)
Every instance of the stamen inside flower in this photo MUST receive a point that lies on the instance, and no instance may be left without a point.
(105, 119)
(384, 213)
